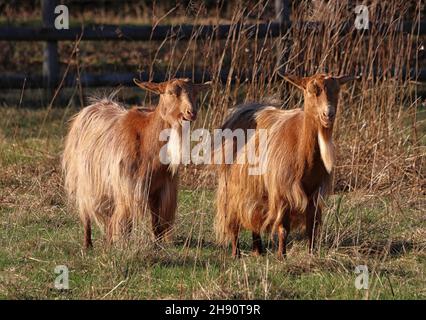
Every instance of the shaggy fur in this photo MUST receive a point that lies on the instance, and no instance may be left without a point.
(298, 160)
(113, 172)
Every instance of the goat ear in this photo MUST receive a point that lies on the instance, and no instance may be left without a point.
(197, 88)
(295, 80)
(345, 78)
(157, 88)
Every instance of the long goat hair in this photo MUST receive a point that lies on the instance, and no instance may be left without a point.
(113, 172)
(298, 159)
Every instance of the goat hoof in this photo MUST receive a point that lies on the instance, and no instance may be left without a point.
(281, 256)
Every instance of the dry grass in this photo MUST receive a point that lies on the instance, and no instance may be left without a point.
(375, 217)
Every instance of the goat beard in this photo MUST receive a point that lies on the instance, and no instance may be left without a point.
(326, 122)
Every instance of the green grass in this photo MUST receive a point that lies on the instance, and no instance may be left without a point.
(38, 232)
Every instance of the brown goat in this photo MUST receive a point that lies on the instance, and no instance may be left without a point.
(299, 159)
(111, 161)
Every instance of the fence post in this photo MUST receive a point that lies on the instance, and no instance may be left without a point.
(282, 16)
(50, 56)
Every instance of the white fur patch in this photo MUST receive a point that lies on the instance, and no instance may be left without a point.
(174, 149)
(327, 151)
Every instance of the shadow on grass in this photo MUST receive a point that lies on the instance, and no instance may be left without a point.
(393, 248)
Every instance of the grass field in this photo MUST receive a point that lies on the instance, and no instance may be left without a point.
(38, 232)
(375, 217)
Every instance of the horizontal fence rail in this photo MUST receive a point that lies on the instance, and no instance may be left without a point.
(19, 81)
(136, 33)
(181, 32)
(104, 80)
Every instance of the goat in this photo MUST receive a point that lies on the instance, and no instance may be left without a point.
(111, 160)
(299, 159)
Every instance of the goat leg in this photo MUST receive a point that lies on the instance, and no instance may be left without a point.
(283, 232)
(235, 245)
(257, 244)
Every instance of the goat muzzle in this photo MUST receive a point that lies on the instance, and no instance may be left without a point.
(189, 116)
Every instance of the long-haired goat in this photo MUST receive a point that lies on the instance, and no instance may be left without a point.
(298, 161)
(111, 160)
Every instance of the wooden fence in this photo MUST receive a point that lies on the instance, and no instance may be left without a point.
(47, 33)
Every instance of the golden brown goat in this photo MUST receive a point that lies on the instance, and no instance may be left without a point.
(298, 161)
(111, 160)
